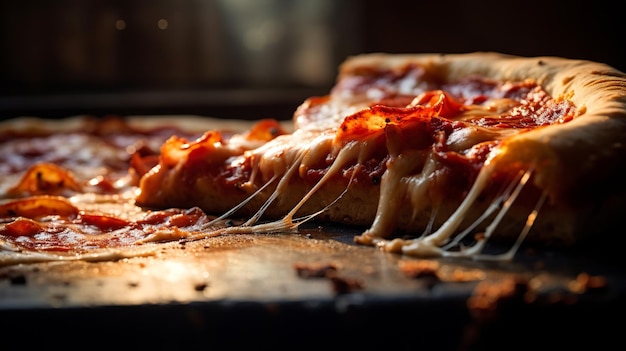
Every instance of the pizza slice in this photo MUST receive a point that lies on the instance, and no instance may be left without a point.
(432, 154)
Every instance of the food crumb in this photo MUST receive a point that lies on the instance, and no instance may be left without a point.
(200, 286)
(420, 268)
(489, 296)
(340, 285)
(311, 270)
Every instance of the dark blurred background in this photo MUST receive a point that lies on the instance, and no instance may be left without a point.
(257, 58)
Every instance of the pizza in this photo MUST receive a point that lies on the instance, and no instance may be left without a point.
(432, 155)
(68, 187)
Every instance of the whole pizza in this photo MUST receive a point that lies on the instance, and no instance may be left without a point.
(430, 154)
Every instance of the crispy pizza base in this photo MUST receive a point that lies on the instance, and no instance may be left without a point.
(577, 165)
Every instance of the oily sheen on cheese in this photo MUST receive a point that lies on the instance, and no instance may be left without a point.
(438, 146)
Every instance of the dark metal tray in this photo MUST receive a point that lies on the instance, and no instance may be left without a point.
(241, 290)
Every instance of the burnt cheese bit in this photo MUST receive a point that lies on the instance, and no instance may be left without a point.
(340, 284)
(312, 270)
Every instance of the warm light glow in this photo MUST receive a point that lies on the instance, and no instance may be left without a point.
(162, 24)
(120, 24)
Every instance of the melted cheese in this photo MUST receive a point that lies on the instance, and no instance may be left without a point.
(408, 177)
(346, 129)
(290, 155)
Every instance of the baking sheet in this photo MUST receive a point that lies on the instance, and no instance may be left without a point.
(226, 290)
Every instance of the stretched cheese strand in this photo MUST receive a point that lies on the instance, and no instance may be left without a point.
(395, 187)
(244, 202)
(15, 257)
(430, 245)
(433, 244)
(495, 205)
(346, 154)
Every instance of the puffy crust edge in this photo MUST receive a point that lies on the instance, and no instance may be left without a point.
(589, 151)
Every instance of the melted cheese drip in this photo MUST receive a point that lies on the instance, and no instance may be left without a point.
(291, 155)
(282, 156)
